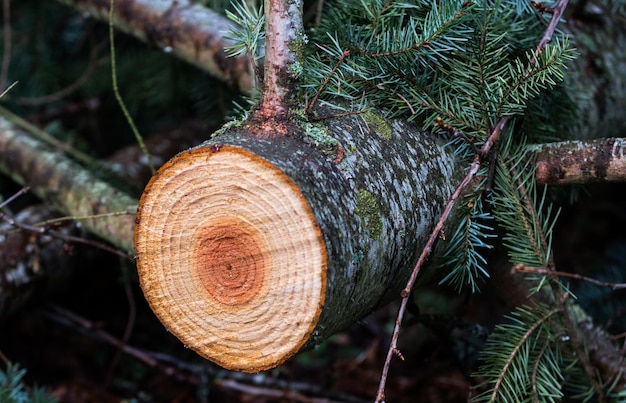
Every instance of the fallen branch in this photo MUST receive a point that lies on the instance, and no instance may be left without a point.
(190, 31)
(66, 185)
(585, 161)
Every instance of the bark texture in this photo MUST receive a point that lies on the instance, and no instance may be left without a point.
(190, 31)
(66, 185)
(284, 33)
(369, 198)
(599, 160)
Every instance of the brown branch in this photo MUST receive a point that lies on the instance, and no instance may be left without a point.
(255, 384)
(520, 268)
(473, 169)
(284, 42)
(311, 104)
(598, 160)
(42, 230)
(190, 31)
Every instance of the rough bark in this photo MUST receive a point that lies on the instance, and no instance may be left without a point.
(190, 31)
(284, 32)
(66, 185)
(284, 43)
(599, 160)
(249, 249)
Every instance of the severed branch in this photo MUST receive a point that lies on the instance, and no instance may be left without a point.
(190, 31)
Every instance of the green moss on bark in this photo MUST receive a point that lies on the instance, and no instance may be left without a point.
(368, 209)
(377, 124)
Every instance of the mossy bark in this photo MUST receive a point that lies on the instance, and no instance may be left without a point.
(67, 186)
(375, 197)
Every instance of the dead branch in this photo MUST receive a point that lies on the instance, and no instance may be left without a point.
(189, 31)
(598, 160)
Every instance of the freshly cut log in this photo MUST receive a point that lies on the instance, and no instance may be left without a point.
(251, 249)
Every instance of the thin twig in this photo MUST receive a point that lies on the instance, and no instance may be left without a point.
(547, 272)
(40, 230)
(116, 90)
(193, 372)
(20, 192)
(393, 347)
(343, 56)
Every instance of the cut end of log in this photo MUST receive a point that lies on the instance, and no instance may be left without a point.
(230, 257)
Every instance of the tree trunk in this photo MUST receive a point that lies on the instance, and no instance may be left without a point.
(249, 249)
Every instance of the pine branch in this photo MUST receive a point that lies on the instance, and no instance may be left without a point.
(516, 208)
(462, 256)
(483, 153)
(516, 350)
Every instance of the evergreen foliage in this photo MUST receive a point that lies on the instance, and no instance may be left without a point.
(13, 390)
(519, 210)
(457, 67)
(463, 251)
(523, 360)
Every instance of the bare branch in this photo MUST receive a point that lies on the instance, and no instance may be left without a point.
(598, 160)
(190, 31)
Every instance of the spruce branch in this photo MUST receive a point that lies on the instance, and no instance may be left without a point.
(463, 252)
(522, 348)
(483, 153)
(311, 104)
(249, 37)
(518, 210)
